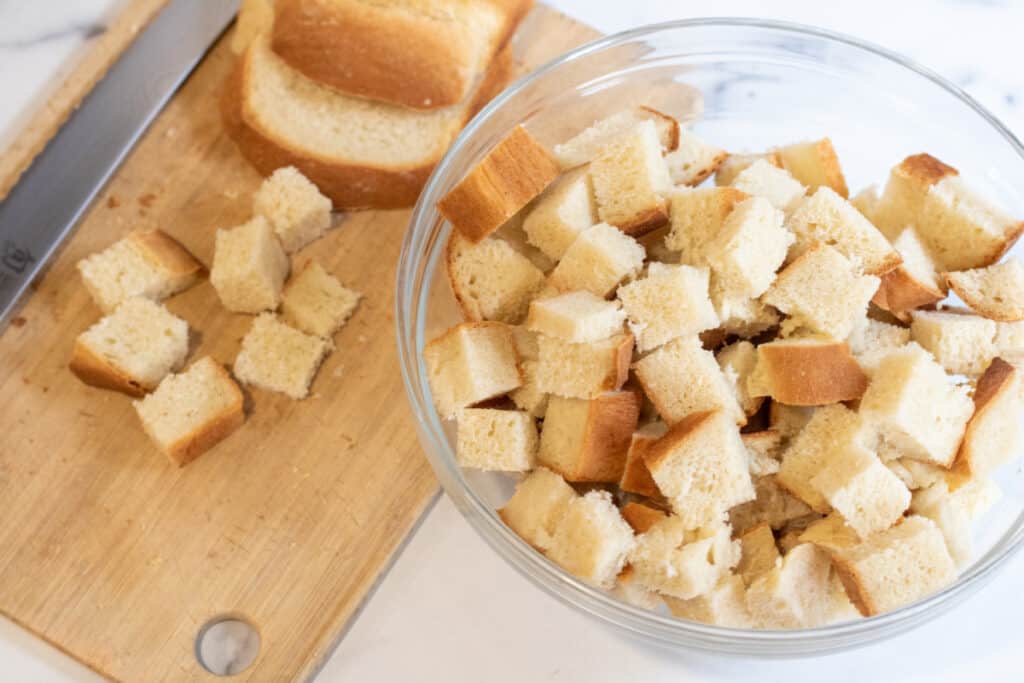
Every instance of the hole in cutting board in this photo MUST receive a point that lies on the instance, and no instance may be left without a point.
(227, 645)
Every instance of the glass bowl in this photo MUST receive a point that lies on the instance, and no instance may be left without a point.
(763, 83)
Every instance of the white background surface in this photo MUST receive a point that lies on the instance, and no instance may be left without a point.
(449, 610)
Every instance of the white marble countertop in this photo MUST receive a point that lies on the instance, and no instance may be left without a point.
(449, 609)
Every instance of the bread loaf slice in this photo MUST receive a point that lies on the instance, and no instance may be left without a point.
(413, 54)
(996, 292)
(537, 507)
(587, 440)
(807, 372)
(470, 363)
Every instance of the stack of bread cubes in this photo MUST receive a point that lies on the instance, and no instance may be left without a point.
(139, 346)
(744, 401)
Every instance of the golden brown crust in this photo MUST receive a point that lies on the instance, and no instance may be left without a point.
(620, 368)
(372, 51)
(663, 448)
(648, 221)
(854, 586)
(636, 478)
(811, 374)
(708, 170)
(166, 252)
(900, 291)
(611, 420)
(1010, 238)
(978, 304)
(925, 169)
(218, 428)
(993, 383)
(99, 372)
(670, 143)
(450, 254)
(515, 171)
(641, 517)
(827, 163)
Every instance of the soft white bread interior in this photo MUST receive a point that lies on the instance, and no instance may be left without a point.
(993, 434)
(764, 179)
(680, 562)
(585, 145)
(537, 507)
(592, 541)
(583, 370)
(249, 267)
(314, 302)
(912, 284)
(995, 292)
(815, 164)
(277, 357)
(669, 302)
(587, 440)
(751, 246)
(694, 161)
(555, 219)
(697, 214)
(963, 344)
(794, 594)
(496, 440)
(733, 165)
(294, 206)
(598, 260)
(576, 317)
(490, 279)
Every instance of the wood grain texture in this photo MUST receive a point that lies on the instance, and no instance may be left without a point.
(117, 557)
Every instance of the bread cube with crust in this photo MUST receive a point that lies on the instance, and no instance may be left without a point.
(583, 370)
(751, 246)
(815, 164)
(777, 186)
(249, 267)
(586, 440)
(577, 317)
(697, 214)
(556, 218)
(496, 440)
(963, 344)
(630, 181)
(723, 605)
(680, 562)
(592, 541)
(913, 283)
(294, 206)
(585, 145)
(669, 302)
(490, 279)
(470, 363)
(694, 161)
(315, 302)
(636, 478)
(277, 357)
(806, 372)
(996, 292)
(537, 507)
(795, 594)
(993, 433)
(737, 361)
(598, 260)
(641, 517)
(872, 336)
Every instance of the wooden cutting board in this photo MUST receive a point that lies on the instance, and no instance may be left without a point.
(118, 558)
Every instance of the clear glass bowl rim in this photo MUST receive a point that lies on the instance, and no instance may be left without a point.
(411, 303)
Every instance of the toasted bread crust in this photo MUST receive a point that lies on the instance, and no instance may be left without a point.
(854, 586)
(99, 372)
(620, 368)
(165, 252)
(900, 291)
(812, 374)
(641, 517)
(636, 478)
(708, 170)
(925, 169)
(648, 221)
(993, 383)
(671, 143)
(611, 420)
(366, 50)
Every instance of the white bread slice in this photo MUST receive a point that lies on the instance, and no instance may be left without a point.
(598, 260)
(831, 429)
(682, 378)
(993, 434)
(913, 283)
(294, 206)
(815, 164)
(249, 267)
(758, 552)
(737, 361)
(700, 465)
(470, 363)
(592, 540)
(917, 408)
(961, 229)
(751, 246)
(555, 219)
(694, 161)
(131, 349)
(861, 489)
(734, 164)
(490, 279)
(277, 357)
(831, 532)
(584, 146)
(496, 440)
(763, 451)
(723, 605)
(583, 370)
(996, 292)
(255, 18)
(867, 202)
(191, 412)
(795, 594)
(149, 264)
(641, 517)
(576, 317)
(807, 372)
(773, 506)
(822, 291)
(537, 507)
(418, 55)
(636, 478)
(587, 440)
(630, 181)
(669, 302)
(697, 215)
(764, 179)
(963, 344)
(895, 567)
(315, 302)
(826, 217)
(360, 153)
(683, 563)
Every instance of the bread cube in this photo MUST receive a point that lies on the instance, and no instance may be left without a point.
(131, 349)
(537, 507)
(815, 164)
(913, 473)
(993, 433)
(630, 181)
(758, 552)
(860, 488)
(277, 357)
(1009, 339)
(599, 259)
(872, 336)
(577, 317)
(795, 594)
(895, 567)
(700, 465)
(557, 217)
(694, 161)
(831, 429)
(750, 247)
(681, 378)
(773, 505)
(777, 186)
(191, 412)
(913, 283)
(513, 233)
(763, 451)
(697, 215)
(669, 302)
(740, 316)
(470, 363)
(314, 302)
(788, 420)
(953, 512)
(528, 396)
(515, 171)
(963, 344)
(831, 532)
(249, 267)
(294, 206)
(632, 592)
(821, 291)
(734, 164)
(916, 407)
(584, 146)
(827, 218)
(723, 605)
(583, 370)
(636, 478)
(496, 440)
(641, 517)
(683, 563)
(737, 361)
(996, 292)
(807, 372)
(490, 279)
(592, 540)
(587, 440)
(149, 264)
